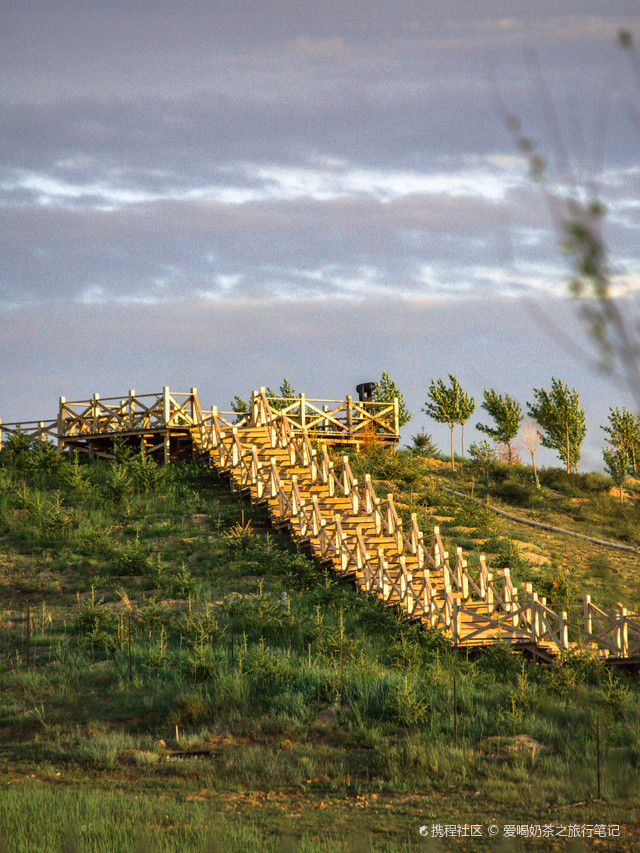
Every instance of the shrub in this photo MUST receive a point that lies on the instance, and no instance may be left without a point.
(423, 444)
(190, 708)
(518, 491)
(131, 559)
(408, 706)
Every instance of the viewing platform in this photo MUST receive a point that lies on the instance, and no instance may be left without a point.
(164, 425)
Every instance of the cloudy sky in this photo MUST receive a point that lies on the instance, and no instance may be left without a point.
(221, 194)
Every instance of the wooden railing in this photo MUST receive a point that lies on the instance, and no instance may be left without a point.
(34, 430)
(334, 421)
(136, 412)
(473, 608)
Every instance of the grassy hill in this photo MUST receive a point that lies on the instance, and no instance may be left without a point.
(174, 676)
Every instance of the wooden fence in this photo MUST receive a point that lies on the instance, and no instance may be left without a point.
(472, 607)
(336, 421)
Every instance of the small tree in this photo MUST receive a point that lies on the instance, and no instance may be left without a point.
(449, 405)
(283, 397)
(384, 392)
(507, 415)
(482, 456)
(562, 420)
(531, 440)
(423, 443)
(467, 408)
(240, 407)
(624, 432)
(616, 460)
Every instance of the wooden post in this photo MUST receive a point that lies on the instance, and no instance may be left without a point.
(96, 418)
(396, 416)
(349, 415)
(194, 406)
(132, 407)
(40, 430)
(61, 403)
(535, 616)
(588, 627)
(453, 616)
(483, 577)
(303, 412)
(622, 632)
(564, 630)
(166, 406)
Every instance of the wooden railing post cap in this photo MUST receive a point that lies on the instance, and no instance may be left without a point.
(63, 399)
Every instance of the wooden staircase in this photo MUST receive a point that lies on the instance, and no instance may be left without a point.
(361, 538)
(268, 454)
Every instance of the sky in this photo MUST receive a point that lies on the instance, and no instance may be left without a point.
(222, 194)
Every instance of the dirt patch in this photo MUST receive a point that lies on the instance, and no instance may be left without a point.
(516, 745)
(529, 551)
(536, 559)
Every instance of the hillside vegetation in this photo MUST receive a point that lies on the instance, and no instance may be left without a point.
(174, 676)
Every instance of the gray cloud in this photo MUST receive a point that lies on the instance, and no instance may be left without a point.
(285, 172)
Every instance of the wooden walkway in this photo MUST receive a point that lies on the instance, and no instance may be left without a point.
(347, 527)
(162, 425)
(269, 456)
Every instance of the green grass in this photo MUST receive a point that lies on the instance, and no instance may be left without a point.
(157, 626)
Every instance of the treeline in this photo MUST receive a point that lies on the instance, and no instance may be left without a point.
(559, 424)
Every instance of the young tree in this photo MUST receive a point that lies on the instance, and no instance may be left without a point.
(283, 397)
(240, 407)
(507, 414)
(449, 405)
(531, 440)
(616, 460)
(482, 455)
(423, 443)
(384, 392)
(467, 408)
(624, 432)
(562, 421)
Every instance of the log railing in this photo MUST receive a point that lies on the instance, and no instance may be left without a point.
(135, 412)
(333, 421)
(34, 430)
(418, 574)
(472, 608)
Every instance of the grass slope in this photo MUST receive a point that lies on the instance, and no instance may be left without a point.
(167, 696)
